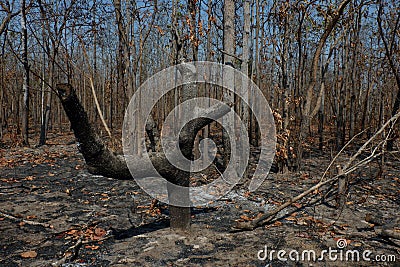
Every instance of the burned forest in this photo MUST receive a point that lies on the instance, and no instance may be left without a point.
(199, 133)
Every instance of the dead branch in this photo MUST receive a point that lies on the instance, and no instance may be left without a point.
(376, 220)
(45, 225)
(390, 233)
(347, 169)
(70, 253)
(229, 54)
(384, 228)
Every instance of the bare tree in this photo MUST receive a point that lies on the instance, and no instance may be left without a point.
(54, 20)
(307, 112)
(9, 15)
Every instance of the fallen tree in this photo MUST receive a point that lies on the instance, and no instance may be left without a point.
(103, 161)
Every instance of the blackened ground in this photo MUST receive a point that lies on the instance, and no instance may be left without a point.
(120, 226)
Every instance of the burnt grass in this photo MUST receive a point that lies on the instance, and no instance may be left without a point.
(115, 223)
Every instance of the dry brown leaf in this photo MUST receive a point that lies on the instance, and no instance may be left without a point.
(275, 224)
(29, 254)
(246, 218)
(93, 247)
(99, 232)
(297, 205)
(72, 232)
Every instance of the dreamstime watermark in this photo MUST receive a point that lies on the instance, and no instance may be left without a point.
(192, 76)
(331, 254)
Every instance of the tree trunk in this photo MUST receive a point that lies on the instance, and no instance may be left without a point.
(25, 78)
(47, 107)
(256, 70)
(244, 88)
(229, 52)
(393, 66)
(306, 114)
(122, 51)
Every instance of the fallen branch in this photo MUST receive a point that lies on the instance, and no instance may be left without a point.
(384, 228)
(347, 169)
(270, 215)
(390, 233)
(45, 225)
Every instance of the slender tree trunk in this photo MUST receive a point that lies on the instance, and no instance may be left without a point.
(256, 71)
(392, 64)
(229, 51)
(121, 55)
(25, 78)
(245, 67)
(47, 108)
(306, 112)
(321, 118)
(340, 134)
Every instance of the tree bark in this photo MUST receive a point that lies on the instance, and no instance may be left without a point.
(25, 84)
(393, 66)
(229, 53)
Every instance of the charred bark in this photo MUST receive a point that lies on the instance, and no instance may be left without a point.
(103, 161)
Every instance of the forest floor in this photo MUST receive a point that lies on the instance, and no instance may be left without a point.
(54, 213)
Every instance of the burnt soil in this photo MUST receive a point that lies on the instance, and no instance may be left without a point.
(89, 220)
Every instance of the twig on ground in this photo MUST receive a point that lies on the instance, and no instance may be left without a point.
(14, 186)
(68, 255)
(8, 216)
(72, 252)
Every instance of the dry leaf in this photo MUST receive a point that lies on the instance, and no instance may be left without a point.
(297, 205)
(246, 218)
(72, 232)
(29, 254)
(68, 254)
(99, 232)
(93, 247)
